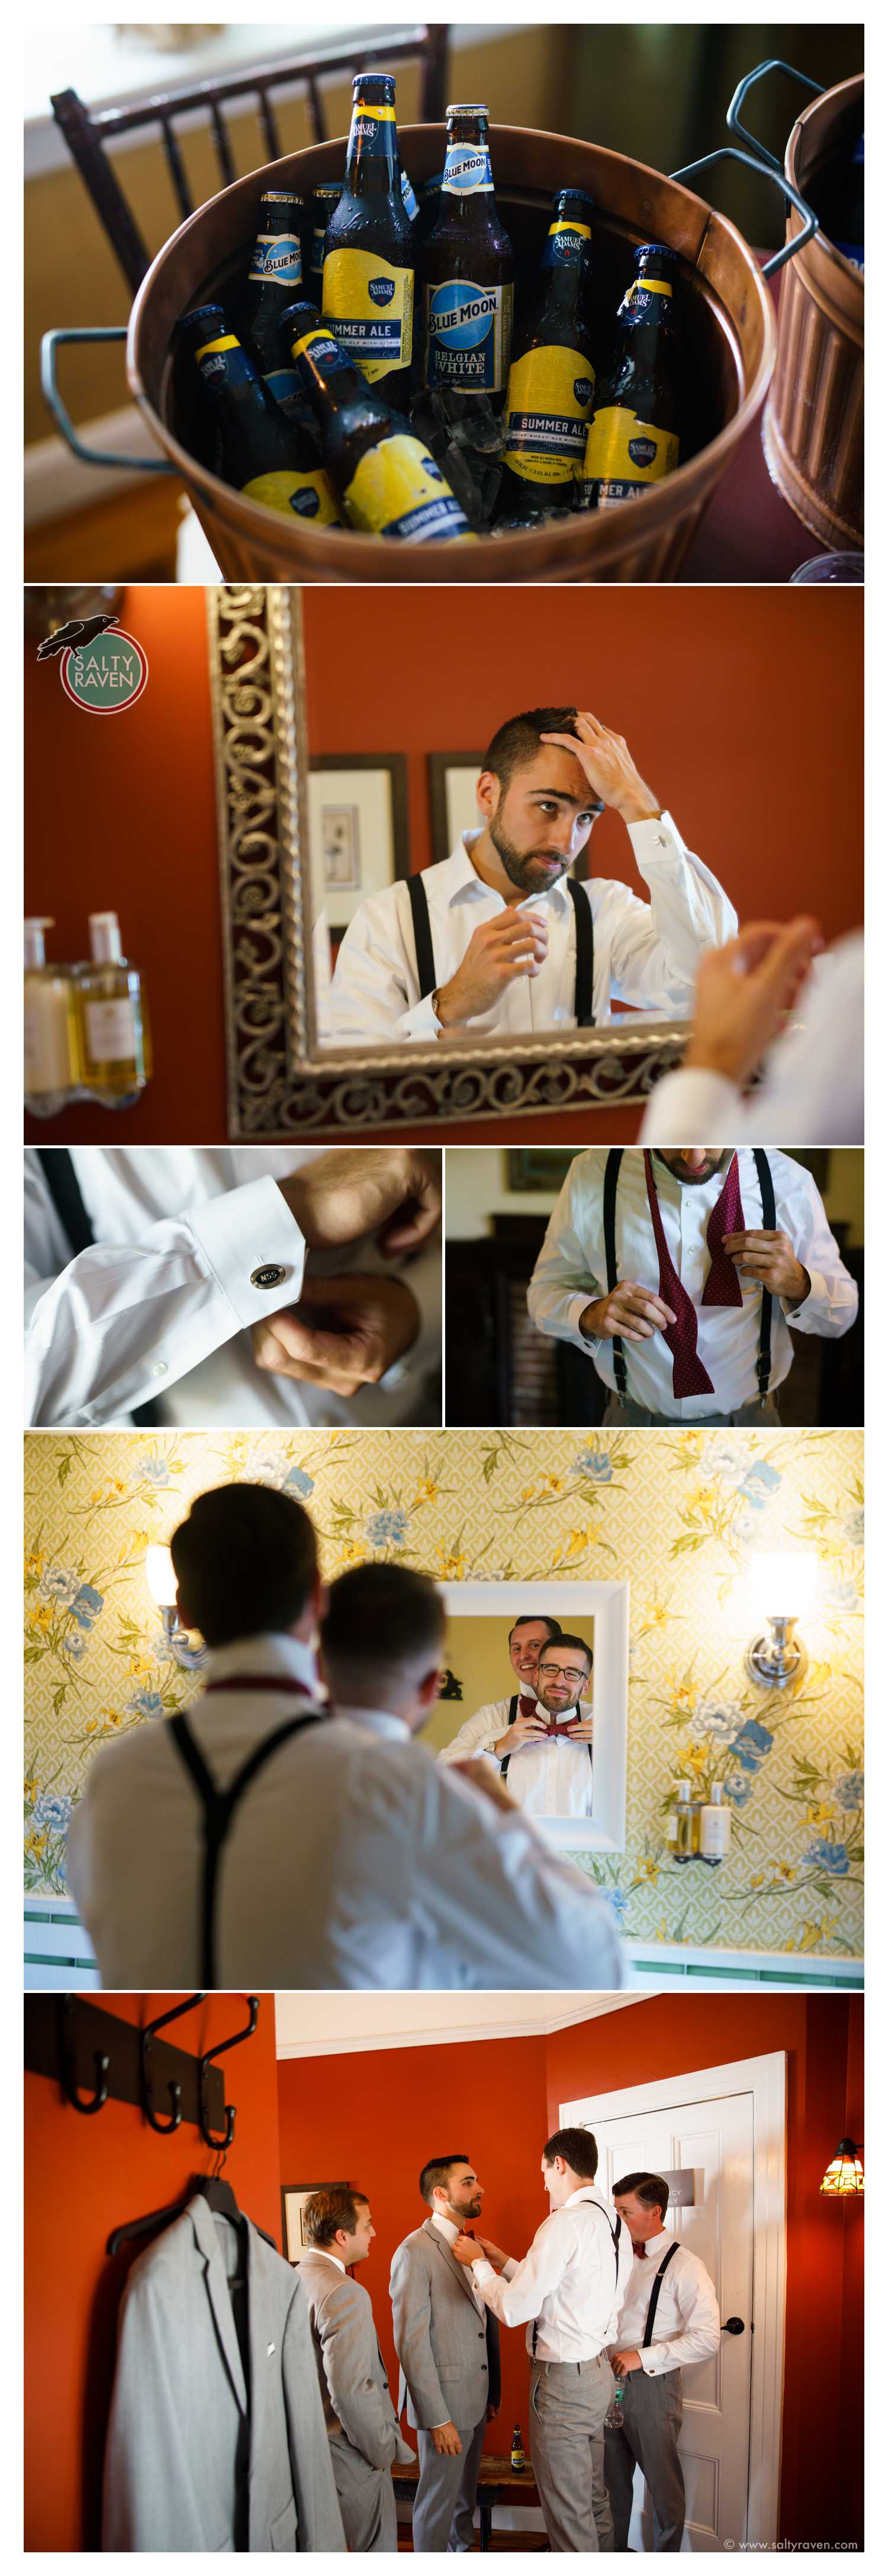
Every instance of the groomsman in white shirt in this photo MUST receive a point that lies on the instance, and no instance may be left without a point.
(567, 2292)
(499, 938)
(669, 2318)
(680, 1272)
(544, 1754)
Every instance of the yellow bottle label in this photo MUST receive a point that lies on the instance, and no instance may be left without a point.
(369, 306)
(547, 409)
(642, 286)
(624, 453)
(397, 490)
(309, 496)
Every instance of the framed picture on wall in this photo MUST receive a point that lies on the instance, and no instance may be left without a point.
(453, 778)
(539, 1167)
(357, 830)
(293, 2199)
(478, 1674)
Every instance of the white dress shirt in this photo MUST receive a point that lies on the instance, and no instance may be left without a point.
(813, 1086)
(354, 1860)
(546, 1779)
(687, 2325)
(450, 2234)
(159, 1309)
(646, 954)
(571, 1272)
(569, 2284)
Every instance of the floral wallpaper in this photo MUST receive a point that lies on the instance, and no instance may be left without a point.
(679, 1512)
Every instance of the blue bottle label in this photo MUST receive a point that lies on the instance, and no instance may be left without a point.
(223, 361)
(468, 335)
(283, 382)
(566, 242)
(277, 255)
(467, 171)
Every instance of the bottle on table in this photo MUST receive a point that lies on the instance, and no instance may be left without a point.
(386, 480)
(633, 439)
(552, 374)
(275, 277)
(468, 268)
(264, 454)
(518, 2459)
(113, 1038)
(369, 256)
(50, 1026)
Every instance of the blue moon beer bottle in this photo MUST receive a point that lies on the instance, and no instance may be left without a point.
(387, 482)
(552, 376)
(368, 250)
(263, 454)
(633, 440)
(275, 277)
(468, 268)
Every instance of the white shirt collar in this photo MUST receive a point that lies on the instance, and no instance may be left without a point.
(656, 2245)
(447, 2227)
(378, 1721)
(463, 878)
(584, 2191)
(291, 1657)
(327, 2257)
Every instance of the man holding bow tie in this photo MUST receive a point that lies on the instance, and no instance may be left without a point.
(680, 1274)
(541, 1739)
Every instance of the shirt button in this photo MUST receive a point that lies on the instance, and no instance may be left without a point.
(159, 1369)
(271, 1274)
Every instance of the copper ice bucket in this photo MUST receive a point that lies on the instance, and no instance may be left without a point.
(813, 428)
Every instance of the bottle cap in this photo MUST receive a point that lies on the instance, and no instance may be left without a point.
(474, 107)
(104, 939)
(35, 945)
(280, 197)
(374, 85)
(565, 197)
(208, 318)
(684, 1791)
(656, 250)
(716, 1794)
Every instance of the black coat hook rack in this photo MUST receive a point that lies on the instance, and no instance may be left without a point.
(97, 2058)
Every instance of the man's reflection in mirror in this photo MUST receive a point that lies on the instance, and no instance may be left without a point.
(501, 938)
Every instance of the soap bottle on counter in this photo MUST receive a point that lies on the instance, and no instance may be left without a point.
(684, 1823)
(715, 1827)
(50, 1026)
(112, 1019)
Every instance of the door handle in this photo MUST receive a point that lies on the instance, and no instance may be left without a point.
(734, 2325)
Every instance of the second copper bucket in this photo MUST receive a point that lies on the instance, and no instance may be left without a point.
(813, 430)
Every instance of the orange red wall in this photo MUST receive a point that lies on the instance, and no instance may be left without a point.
(742, 707)
(83, 2177)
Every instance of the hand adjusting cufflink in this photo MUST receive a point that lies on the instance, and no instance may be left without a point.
(270, 1274)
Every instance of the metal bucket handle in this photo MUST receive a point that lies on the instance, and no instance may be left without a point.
(731, 152)
(739, 100)
(53, 340)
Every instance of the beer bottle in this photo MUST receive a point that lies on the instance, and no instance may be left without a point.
(632, 438)
(325, 200)
(275, 277)
(468, 268)
(552, 376)
(264, 455)
(387, 482)
(518, 2459)
(368, 252)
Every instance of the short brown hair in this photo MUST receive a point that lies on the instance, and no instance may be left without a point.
(328, 2210)
(245, 1562)
(434, 2175)
(578, 2148)
(649, 2188)
(516, 743)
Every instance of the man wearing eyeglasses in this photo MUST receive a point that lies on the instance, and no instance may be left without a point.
(545, 1756)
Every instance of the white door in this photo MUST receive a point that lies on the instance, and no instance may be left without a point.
(715, 2138)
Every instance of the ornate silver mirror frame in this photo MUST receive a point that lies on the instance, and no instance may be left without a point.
(280, 1082)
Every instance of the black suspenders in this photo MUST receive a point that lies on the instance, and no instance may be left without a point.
(584, 942)
(614, 2234)
(648, 2335)
(56, 1164)
(609, 1215)
(505, 1760)
(219, 1808)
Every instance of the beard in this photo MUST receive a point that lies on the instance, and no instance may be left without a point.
(523, 867)
(692, 1180)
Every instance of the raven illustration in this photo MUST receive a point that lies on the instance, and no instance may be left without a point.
(78, 632)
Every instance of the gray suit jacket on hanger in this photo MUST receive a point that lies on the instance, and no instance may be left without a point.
(354, 2388)
(192, 2460)
(449, 2355)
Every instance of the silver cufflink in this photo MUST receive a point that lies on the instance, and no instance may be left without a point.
(270, 1274)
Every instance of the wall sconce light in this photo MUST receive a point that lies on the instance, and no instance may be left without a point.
(783, 1588)
(843, 2179)
(163, 1587)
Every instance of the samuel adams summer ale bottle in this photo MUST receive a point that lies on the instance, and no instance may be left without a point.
(632, 437)
(468, 267)
(264, 455)
(275, 277)
(388, 483)
(552, 378)
(368, 252)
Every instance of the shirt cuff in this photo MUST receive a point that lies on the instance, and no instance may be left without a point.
(818, 1295)
(575, 1309)
(656, 839)
(509, 2268)
(420, 1021)
(688, 1105)
(248, 1235)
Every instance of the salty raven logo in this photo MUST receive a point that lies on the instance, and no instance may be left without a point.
(78, 632)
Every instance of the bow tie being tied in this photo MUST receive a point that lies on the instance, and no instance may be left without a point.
(528, 1708)
(689, 1377)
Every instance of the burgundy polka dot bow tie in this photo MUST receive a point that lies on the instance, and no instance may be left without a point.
(528, 1708)
(689, 1377)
